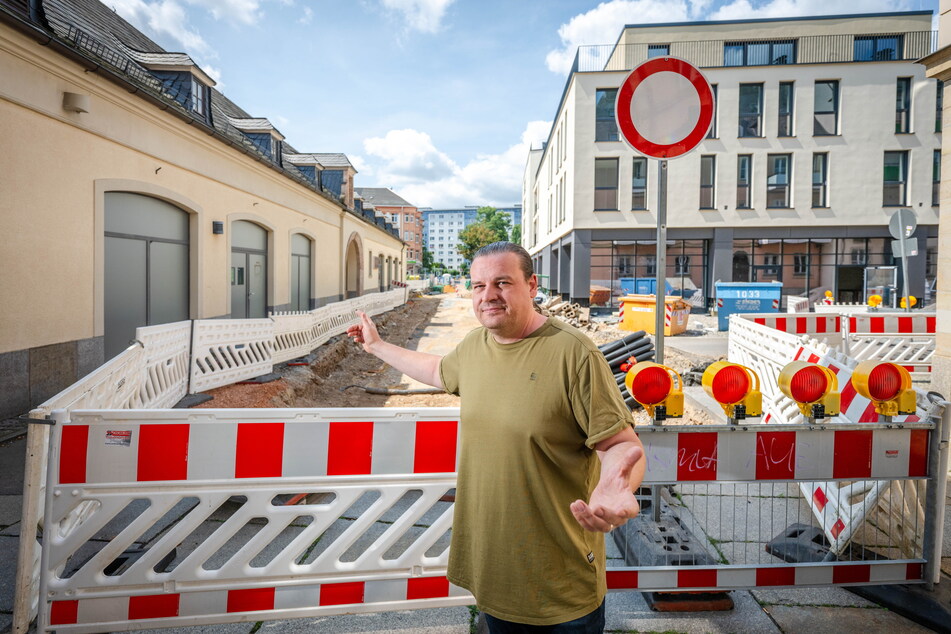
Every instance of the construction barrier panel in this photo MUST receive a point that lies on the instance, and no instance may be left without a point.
(218, 516)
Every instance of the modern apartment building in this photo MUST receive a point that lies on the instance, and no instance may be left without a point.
(441, 229)
(402, 215)
(823, 127)
(134, 194)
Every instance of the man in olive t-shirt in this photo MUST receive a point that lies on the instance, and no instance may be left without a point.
(540, 407)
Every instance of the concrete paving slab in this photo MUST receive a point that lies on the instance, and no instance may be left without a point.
(740, 518)
(841, 620)
(6, 621)
(713, 346)
(224, 628)
(13, 530)
(12, 461)
(10, 508)
(430, 621)
(811, 596)
(627, 611)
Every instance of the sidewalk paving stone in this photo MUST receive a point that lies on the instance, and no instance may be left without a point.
(10, 506)
(628, 611)
(430, 621)
(841, 620)
(812, 596)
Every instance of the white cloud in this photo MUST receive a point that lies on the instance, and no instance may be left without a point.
(307, 15)
(421, 15)
(238, 11)
(743, 9)
(603, 24)
(164, 20)
(408, 162)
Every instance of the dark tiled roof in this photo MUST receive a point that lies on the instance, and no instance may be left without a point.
(98, 34)
(382, 197)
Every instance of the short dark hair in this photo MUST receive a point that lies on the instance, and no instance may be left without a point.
(524, 259)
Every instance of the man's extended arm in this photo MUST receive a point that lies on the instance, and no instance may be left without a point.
(418, 365)
(612, 502)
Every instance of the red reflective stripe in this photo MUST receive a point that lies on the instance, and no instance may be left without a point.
(776, 455)
(847, 395)
(852, 454)
(622, 580)
(64, 612)
(918, 454)
(906, 324)
(813, 358)
(931, 324)
(802, 325)
(697, 456)
(819, 499)
(163, 453)
(72, 454)
(838, 324)
(781, 324)
(760, 320)
(153, 606)
(837, 528)
(820, 324)
(798, 352)
(859, 573)
(876, 325)
(869, 415)
(427, 588)
(697, 578)
(435, 446)
(250, 600)
(834, 368)
(350, 449)
(785, 576)
(913, 571)
(341, 593)
(260, 450)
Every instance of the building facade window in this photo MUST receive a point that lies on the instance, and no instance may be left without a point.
(708, 173)
(800, 264)
(639, 184)
(744, 180)
(751, 110)
(936, 178)
(657, 50)
(605, 126)
(682, 265)
(197, 97)
(712, 132)
(759, 53)
(903, 105)
(820, 180)
(939, 105)
(895, 179)
(650, 265)
(826, 108)
(777, 180)
(786, 101)
(770, 265)
(876, 48)
(605, 184)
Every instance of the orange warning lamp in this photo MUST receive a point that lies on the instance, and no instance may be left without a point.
(658, 388)
(887, 385)
(735, 387)
(815, 388)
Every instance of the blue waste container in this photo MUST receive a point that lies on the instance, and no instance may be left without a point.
(746, 297)
(642, 286)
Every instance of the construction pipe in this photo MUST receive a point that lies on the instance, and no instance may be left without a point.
(617, 343)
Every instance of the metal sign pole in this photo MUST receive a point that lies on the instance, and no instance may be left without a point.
(904, 274)
(660, 292)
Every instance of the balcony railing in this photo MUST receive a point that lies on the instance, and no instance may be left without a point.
(810, 49)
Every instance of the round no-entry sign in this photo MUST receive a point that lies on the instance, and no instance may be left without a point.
(664, 107)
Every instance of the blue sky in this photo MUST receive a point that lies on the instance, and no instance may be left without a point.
(438, 100)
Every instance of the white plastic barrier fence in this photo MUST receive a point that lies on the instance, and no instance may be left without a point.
(903, 339)
(370, 531)
(797, 304)
(157, 371)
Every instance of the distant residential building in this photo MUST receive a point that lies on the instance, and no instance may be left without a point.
(404, 216)
(442, 227)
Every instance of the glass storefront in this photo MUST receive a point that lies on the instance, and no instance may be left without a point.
(629, 266)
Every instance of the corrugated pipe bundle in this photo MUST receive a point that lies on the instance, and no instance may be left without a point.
(637, 345)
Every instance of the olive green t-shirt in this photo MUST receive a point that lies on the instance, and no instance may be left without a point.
(531, 414)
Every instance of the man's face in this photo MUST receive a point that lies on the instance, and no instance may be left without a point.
(502, 299)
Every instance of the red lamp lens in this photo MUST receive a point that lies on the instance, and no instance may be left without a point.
(884, 382)
(652, 385)
(730, 385)
(808, 385)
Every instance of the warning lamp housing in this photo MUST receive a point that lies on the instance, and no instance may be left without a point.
(887, 385)
(815, 388)
(735, 387)
(659, 389)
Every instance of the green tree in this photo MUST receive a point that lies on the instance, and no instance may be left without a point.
(498, 221)
(427, 260)
(517, 234)
(474, 237)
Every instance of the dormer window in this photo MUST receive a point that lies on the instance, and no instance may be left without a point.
(263, 135)
(182, 79)
(197, 97)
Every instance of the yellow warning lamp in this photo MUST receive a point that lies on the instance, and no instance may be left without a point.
(887, 385)
(735, 387)
(658, 388)
(815, 388)
(911, 298)
(874, 301)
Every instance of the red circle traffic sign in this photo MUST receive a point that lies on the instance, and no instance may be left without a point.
(696, 102)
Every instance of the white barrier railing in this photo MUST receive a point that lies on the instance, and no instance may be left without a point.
(356, 517)
(797, 304)
(164, 364)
